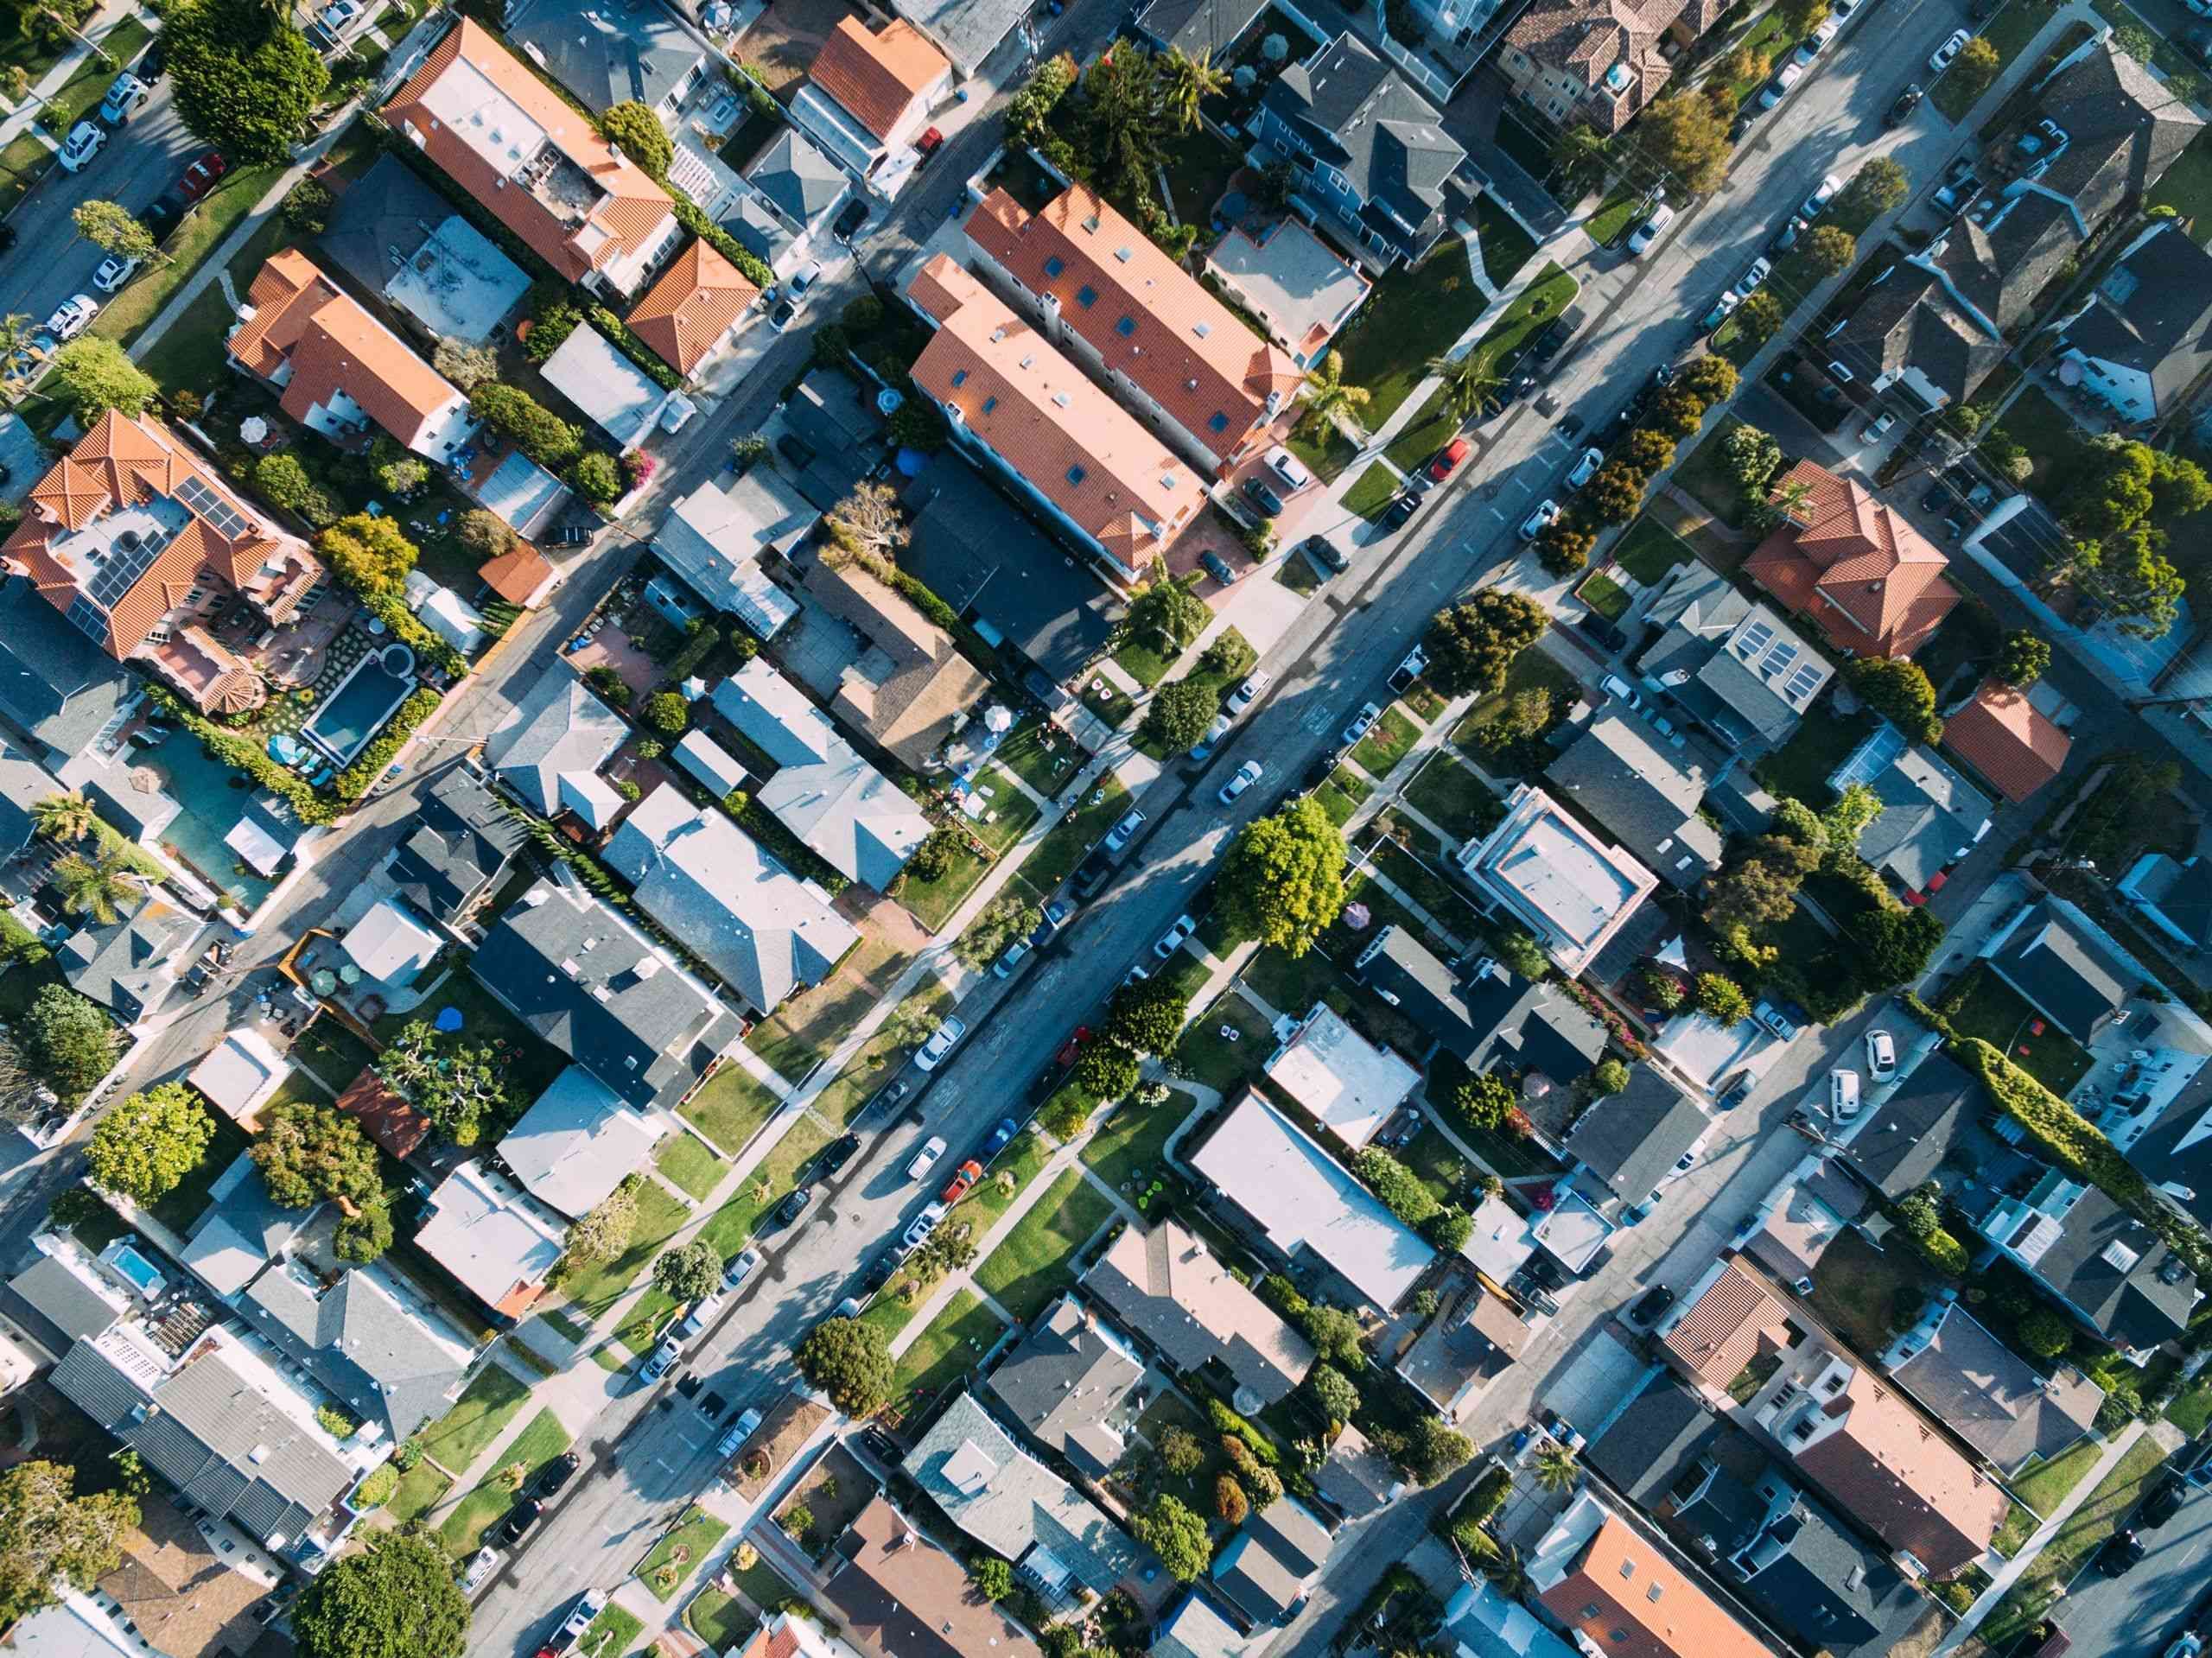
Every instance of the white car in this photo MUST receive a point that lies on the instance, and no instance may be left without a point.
(1955, 43)
(1648, 231)
(1368, 714)
(1249, 693)
(87, 139)
(940, 1042)
(335, 17)
(1722, 308)
(1545, 516)
(1614, 685)
(1287, 466)
(1016, 953)
(114, 272)
(746, 1263)
(1877, 429)
(1586, 468)
(588, 1606)
(804, 278)
(1172, 940)
(1215, 733)
(699, 1318)
(1843, 1093)
(1125, 831)
(1810, 47)
(1824, 193)
(1247, 775)
(1749, 283)
(925, 1159)
(737, 1433)
(73, 316)
(921, 1226)
(1881, 1055)
(480, 1566)
(663, 1357)
(1792, 73)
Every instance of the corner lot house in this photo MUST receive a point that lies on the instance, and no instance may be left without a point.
(1570, 889)
(868, 98)
(1582, 61)
(1850, 565)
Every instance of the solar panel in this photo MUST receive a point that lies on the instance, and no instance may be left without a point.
(1802, 682)
(221, 516)
(1780, 658)
(1754, 639)
(89, 619)
(126, 561)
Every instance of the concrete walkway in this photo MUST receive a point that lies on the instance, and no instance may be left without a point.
(23, 117)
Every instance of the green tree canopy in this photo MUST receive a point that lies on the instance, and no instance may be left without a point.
(1975, 67)
(1180, 714)
(1471, 646)
(604, 1232)
(690, 1272)
(1685, 135)
(1721, 999)
(112, 228)
(1829, 249)
(635, 130)
(1900, 691)
(1172, 1531)
(67, 1040)
(394, 1599)
(147, 1142)
(306, 1153)
(1879, 186)
(96, 375)
(850, 1361)
(51, 1539)
(1147, 1014)
(542, 436)
(370, 555)
(1896, 944)
(2024, 659)
(1282, 880)
(1487, 1100)
(243, 78)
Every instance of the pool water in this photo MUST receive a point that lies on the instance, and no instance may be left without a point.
(363, 700)
(213, 798)
(139, 1270)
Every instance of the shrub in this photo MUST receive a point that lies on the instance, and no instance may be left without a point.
(596, 478)
(667, 712)
(284, 482)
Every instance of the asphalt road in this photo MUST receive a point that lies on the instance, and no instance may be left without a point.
(2135, 1616)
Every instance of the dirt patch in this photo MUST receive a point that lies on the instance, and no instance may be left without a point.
(761, 1458)
(833, 1493)
(789, 34)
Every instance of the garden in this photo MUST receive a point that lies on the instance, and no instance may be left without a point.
(679, 1553)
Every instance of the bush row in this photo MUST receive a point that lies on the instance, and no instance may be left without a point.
(787, 848)
(624, 339)
(354, 782)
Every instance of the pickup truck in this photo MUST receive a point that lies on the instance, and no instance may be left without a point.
(1403, 676)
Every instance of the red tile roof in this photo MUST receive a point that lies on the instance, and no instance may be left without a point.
(1873, 583)
(1150, 320)
(877, 76)
(1732, 1323)
(2006, 739)
(518, 575)
(1890, 1468)
(1629, 1601)
(697, 301)
(385, 1116)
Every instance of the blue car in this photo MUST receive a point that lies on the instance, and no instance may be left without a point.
(1000, 1135)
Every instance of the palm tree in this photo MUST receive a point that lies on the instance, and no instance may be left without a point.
(64, 818)
(1789, 500)
(1508, 1571)
(1556, 1469)
(1184, 80)
(16, 334)
(1328, 399)
(1580, 154)
(99, 886)
(1469, 382)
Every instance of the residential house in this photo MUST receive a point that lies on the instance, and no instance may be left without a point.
(1300, 288)
(1481, 1623)
(129, 965)
(1014, 401)
(1635, 1140)
(1907, 334)
(624, 402)
(515, 489)
(867, 97)
(1464, 1347)
(1800, 1220)
(1199, 1626)
(1547, 873)
(2065, 967)
(1301, 1200)
(339, 370)
(2173, 897)
(395, 235)
(1598, 62)
(1373, 162)
(522, 575)
(854, 817)
(499, 1242)
(1194, 27)
(182, 1588)
(694, 309)
(1931, 817)
(1265, 1569)
(1163, 1283)
(1350, 1086)
(969, 32)
(24, 785)
(1920, 1123)
(898, 1595)
(768, 933)
(604, 995)
(240, 1074)
(548, 751)
(2106, 1268)
(907, 687)
(540, 168)
(1356, 1479)
(1065, 1381)
(1729, 663)
(1851, 564)
(1988, 1394)
(1493, 1019)
(714, 538)
(579, 1140)
(637, 54)
(147, 553)
(458, 844)
(59, 694)
(830, 413)
(1111, 299)
(391, 944)
(1617, 1593)
(1621, 773)
(801, 183)
(2143, 339)
(2007, 740)
(1060, 1543)
(73, 1296)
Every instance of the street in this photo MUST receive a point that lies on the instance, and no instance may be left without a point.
(2135, 1616)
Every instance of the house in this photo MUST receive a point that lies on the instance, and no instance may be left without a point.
(59, 694)
(1493, 1019)
(1199, 1626)
(129, 965)
(395, 235)
(1619, 1594)
(1908, 332)
(1105, 294)
(1547, 871)
(1931, 817)
(2006, 739)
(511, 487)
(499, 1242)
(180, 1591)
(1060, 1543)
(799, 182)
(24, 785)
(537, 166)
(1621, 773)
(446, 613)
(1596, 63)
(1357, 1479)
(2143, 339)
(339, 370)
(144, 551)
(2103, 1266)
(2173, 896)
(1370, 153)
(1064, 1380)
(548, 751)
(1192, 27)
(1163, 1283)
(590, 370)
(74, 1297)
(1302, 1200)
(908, 687)
(707, 760)
(1851, 565)
(239, 1074)
(768, 933)
(1729, 663)
(856, 819)
(522, 575)
(1481, 1623)
(868, 98)
(714, 538)
(1012, 400)
(1464, 1347)
(639, 54)
(695, 308)
(967, 31)
(391, 944)
(604, 995)
(1988, 1394)
(1635, 1140)
(1915, 1128)
(830, 413)
(1302, 290)
(578, 1141)
(1350, 1086)
(458, 844)
(1265, 1569)
(898, 1595)
(2065, 967)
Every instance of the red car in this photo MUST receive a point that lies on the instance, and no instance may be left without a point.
(1453, 454)
(929, 143)
(201, 176)
(964, 1177)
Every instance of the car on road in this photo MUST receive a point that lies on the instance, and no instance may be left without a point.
(1585, 467)
(737, 1433)
(557, 1473)
(1843, 1092)
(1172, 940)
(741, 1267)
(1125, 831)
(879, 1272)
(783, 314)
(1722, 309)
(2196, 42)
(1739, 1090)
(1545, 516)
(838, 1152)
(854, 216)
(918, 1230)
(1203, 747)
(480, 1566)
(73, 316)
(1093, 873)
(1881, 1055)
(1740, 128)
(1288, 467)
(1052, 915)
(2127, 1549)
(85, 140)
(114, 272)
(1651, 1305)
(1219, 567)
(1250, 692)
(1823, 193)
(1448, 459)
(1786, 238)
(1325, 552)
(1247, 775)
(1407, 670)
(1954, 43)
(889, 1099)
(925, 1159)
(794, 1206)
(940, 1042)
(1368, 714)
(1814, 43)
(206, 172)
(520, 1519)
(1960, 182)
(588, 1606)
(2163, 1503)
(1004, 1131)
(1651, 229)
(126, 96)
(1011, 957)
(1399, 511)
(963, 1179)
(1614, 685)
(1906, 102)
(1561, 329)
(1774, 90)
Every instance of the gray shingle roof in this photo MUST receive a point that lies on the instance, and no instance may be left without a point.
(56, 686)
(802, 182)
(1655, 1439)
(101, 1389)
(1644, 792)
(1631, 1139)
(2063, 969)
(558, 726)
(66, 1300)
(1168, 1287)
(605, 54)
(2140, 1304)
(360, 1343)
(1916, 1127)
(1360, 117)
(2153, 314)
(460, 842)
(129, 966)
(1064, 1378)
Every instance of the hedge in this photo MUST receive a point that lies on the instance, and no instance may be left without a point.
(692, 217)
(704, 637)
(1944, 1252)
(354, 782)
(1226, 1420)
(240, 755)
(1399, 1187)
(625, 340)
(18, 942)
(389, 609)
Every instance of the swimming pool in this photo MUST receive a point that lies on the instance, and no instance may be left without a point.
(363, 701)
(145, 1276)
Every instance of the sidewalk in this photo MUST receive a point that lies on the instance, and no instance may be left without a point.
(25, 115)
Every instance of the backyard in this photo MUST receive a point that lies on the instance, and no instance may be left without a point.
(1981, 1004)
(1863, 1292)
(1800, 769)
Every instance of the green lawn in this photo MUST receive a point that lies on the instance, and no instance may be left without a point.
(1857, 1287)
(122, 317)
(1533, 667)
(1134, 1137)
(2009, 31)
(79, 95)
(1506, 247)
(2044, 1485)
(1421, 883)
(1704, 473)
(1412, 314)
(1438, 1164)
(679, 1553)
(2083, 1534)
(870, 1068)
(1054, 858)
(1341, 794)
(2187, 187)
(806, 1029)
(636, 1334)
(462, 1530)
(1040, 754)
(422, 1487)
(1326, 451)
(332, 1051)
(1650, 550)
(932, 902)
(1801, 766)
(1504, 1151)
(660, 1214)
(2000, 1016)
(1552, 291)
(685, 1160)
(609, 1634)
(1454, 798)
(22, 164)
(950, 1345)
(1610, 220)
(1290, 984)
(1009, 814)
(193, 356)
(771, 1178)
(1386, 743)
(1198, 166)
(722, 1621)
(484, 1407)
(2045, 431)
(2191, 1411)
(1604, 596)
(1036, 1260)
(1211, 1058)
(729, 1107)
(1372, 491)
(1436, 425)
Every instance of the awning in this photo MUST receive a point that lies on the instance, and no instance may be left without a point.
(256, 845)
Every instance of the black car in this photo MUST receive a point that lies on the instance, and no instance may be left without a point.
(852, 218)
(1561, 328)
(879, 1272)
(520, 1519)
(1740, 128)
(837, 1154)
(1571, 426)
(162, 218)
(1264, 498)
(1604, 632)
(1324, 764)
(153, 66)
(2126, 1550)
(1326, 552)
(1400, 510)
(1906, 102)
(557, 1473)
(2196, 41)
(1092, 873)
(889, 1100)
(794, 1206)
(2163, 1503)
(1651, 1305)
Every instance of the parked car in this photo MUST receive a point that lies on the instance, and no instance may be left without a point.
(2127, 1549)
(1011, 957)
(166, 213)
(1773, 1020)
(1878, 427)
(206, 172)
(520, 1519)
(2163, 1503)
(1901, 110)
(794, 1205)
(1005, 1131)
(1651, 1305)
(1368, 714)
(783, 314)
(879, 1272)
(1257, 492)
(73, 316)
(850, 219)
(1543, 517)
(1399, 511)
(925, 1159)
(1722, 309)
(1823, 193)
(1204, 746)
(1754, 276)
(1556, 332)
(1954, 43)
(1219, 567)
(335, 17)
(1614, 685)
(1247, 775)
(1407, 670)
(557, 1473)
(963, 1179)
(838, 1152)
(1843, 1093)
(588, 1606)
(2196, 42)
(1093, 873)
(1123, 832)
(1651, 229)
(1245, 694)
(802, 281)
(918, 1230)
(480, 1566)
(1881, 1055)
(1325, 552)
(1288, 467)
(1811, 47)
(126, 96)
(1051, 915)
(1790, 74)
(1172, 940)
(114, 272)
(85, 140)
(1786, 238)
(737, 1433)
(1448, 459)
(742, 1266)
(940, 1042)
(2044, 140)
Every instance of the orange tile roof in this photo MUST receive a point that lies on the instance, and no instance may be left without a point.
(876, 76)
(1150, 320)
(1727, 1327)
(634, 212)
(1037, 412)
(517, 573)
(2008, 740)
(1629, 1601)
(697, 301)
(385, 1116)
(1891, 1471)
(1847, 560)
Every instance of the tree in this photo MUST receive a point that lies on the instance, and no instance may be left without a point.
(51, 1539)
(2044, 1332)
(1661, 989)
(542, 435)
(1556, 1468)
(1761, 888)
(1184, 82)
(1753, 458)
(1329, 399)
(1896, 945)
(1610, 1076)
(1677, 411)
(2140, 590)
(468, 366)
(1849, 817)
(148, 1142)
(1802, 17)
(1105, 1071)
(371, 555)
(1614, 495)
(850, 1361)
(666, 712)
(1710, 379)
(637, 132)
(1336, 1336)
(1975, 67)
(2024, 659)
(458, 1084)
(688, 1272)
(1900, 691)
(1181, 1452)
(69, 1040)
(914, 1020)
(1333, 1392)
(1881, 184)
(1228, 1499)
(66, 817)
(1282, 880)
(992, 1577)
(1487, 1100)
(1744, 65)
(2179, 485)
(1759, 318)
(1563, 547)
(1581, 156)
(485, 534)
(307, 207)
(1179, 714)
(306, 1153)
(1470, 383)
(1434, 1450)
(1918, 1213)
(1121, 121)
(243, 78)
(284, 481)
(1262, 1484)
(604, 1232)
(1683, 133)
(1829, 250)
(1471, 646)
(394, 1599)
(1721, 999)
(1645, 450)
(1165, 613)
(112, 228)
(933, 860)
(869, 521)
(1448, 1229)
(97, 376)
(1400, 1188)
(1146, 1015)
(1172, 1531)
(595, 477)
(404, 476)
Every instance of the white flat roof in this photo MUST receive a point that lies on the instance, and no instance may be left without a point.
(1344, 1079)
(1500, 1244)
(1297, 282)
